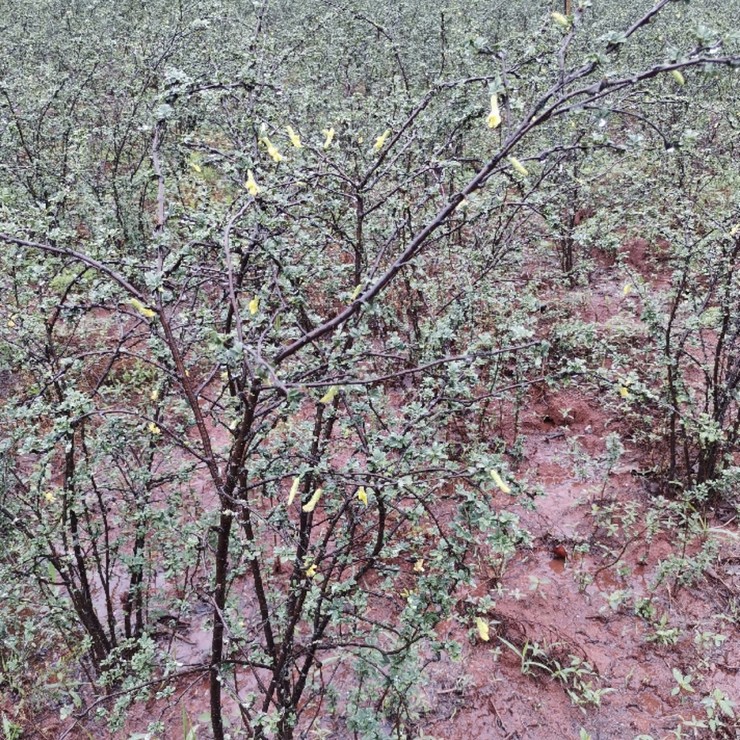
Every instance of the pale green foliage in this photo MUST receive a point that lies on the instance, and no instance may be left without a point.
(169, 363)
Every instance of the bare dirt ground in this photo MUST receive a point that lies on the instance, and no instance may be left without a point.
(593, 588)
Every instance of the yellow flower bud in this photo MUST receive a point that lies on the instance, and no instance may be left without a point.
(142, 309)
(251, 184)
(329, 396)
(518, 166)
(310, 505)
(295, 140)
(329, 134)
(293, 490)
(499, 481)
(494, 117)
(362, 495)
(380, 141)
(272, 150)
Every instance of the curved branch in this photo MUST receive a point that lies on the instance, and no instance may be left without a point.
(79, 257)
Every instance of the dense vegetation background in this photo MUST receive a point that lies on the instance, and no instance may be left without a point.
(279, 283)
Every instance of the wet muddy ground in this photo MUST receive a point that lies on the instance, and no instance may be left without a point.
(609, 625)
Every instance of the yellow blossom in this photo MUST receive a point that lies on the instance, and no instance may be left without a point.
(254, 305)
(272, 150)
(311, 570)
(560, 19)
(251, 184)
(518, 166)
(153, 428)
(680, 79)
(362, 495)
(482, 626)
(330, 395)
(627, 289)
(50, 497)
(310, 505)
(624, 391)
(295, 140)
(142, 309)
(499, 481)
(293, 490)
(154, 395)
(494, 117)
(419, 566)
(329, 134)
(380, 141)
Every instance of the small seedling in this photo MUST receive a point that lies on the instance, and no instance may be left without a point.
(683, 682)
